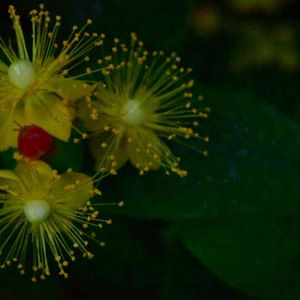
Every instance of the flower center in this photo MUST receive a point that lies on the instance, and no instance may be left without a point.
(21, 74)
(36, 211)
(132, 113)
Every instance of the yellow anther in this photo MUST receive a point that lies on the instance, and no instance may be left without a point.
(97, 192)
(65, 263)
(113, 172)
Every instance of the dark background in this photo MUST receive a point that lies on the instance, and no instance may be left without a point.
(230, 230)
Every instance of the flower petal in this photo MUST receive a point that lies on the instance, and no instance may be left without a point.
(109, 151)
(10, 121)
(72, 189)
(9, 181)
(69, 89)
(85, 114)
(146, 150)
(8, 135)
(51, 114)
(36, 178)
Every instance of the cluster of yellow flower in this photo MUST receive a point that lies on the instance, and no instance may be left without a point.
(140, 98)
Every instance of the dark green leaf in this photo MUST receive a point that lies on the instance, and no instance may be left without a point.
(253, 168)
(66, 155)
(259, 255)
(238, 212)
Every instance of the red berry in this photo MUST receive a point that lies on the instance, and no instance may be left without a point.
(34, 142)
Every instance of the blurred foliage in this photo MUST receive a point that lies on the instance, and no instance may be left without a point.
(248, 6)
(259, 47)
(230, 230)
(256, 43)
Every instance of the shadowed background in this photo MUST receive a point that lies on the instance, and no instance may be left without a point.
(230, 230)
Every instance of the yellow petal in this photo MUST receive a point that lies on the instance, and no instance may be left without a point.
(146, 149)
(85, 113)
(36, 178)
(10, 122)
(9, 181)
(8, 174)
(50, 113)
(9, 95)
(72, 189)
(8, 135)
(69, 89)
(109, 151)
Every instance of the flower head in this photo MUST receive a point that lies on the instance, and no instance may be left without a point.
(34, 84)
(143, 99)
(47, 214)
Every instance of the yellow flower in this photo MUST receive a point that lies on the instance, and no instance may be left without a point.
(47, 214)
(141, 101)
(34, 86)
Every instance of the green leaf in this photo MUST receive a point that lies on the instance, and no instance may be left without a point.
(238, 212)
(7, 160)
(66, 155)
(256, 254)
(136, 263)
(253, 167)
